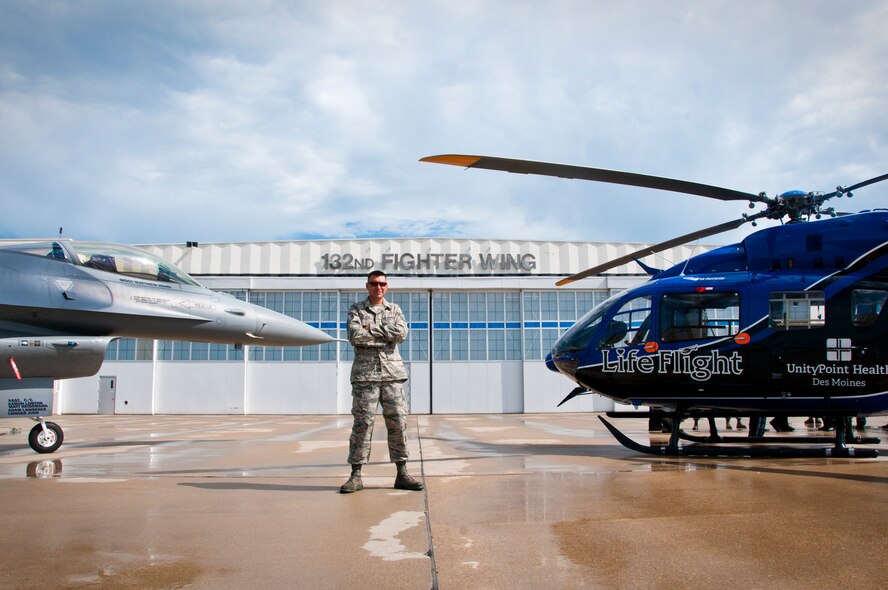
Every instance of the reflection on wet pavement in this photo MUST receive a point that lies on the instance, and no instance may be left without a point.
(511, 501)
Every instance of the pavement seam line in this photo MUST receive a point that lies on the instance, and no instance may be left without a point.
(425, 492)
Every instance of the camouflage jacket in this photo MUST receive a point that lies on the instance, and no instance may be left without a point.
(376, 349)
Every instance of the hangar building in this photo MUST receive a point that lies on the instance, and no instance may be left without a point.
(482, 314)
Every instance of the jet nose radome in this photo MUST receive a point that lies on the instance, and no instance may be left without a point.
(274, 329)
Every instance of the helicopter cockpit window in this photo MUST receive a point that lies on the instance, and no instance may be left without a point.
(798, 310)
(630, 325)
(697, 316)
(128, 261)
(578, 336)
(866, 305)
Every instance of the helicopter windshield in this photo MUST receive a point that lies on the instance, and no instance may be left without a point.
(578, 336)
(129, 261)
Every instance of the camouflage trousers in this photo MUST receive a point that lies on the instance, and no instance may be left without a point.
(365, 398)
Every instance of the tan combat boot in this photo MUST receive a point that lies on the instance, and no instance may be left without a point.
(354, 482)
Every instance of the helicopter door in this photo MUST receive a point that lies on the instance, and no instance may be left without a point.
(629, 325)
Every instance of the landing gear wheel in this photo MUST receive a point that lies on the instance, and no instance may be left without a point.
(48, 441)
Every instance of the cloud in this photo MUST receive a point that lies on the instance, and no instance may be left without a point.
(234, 121)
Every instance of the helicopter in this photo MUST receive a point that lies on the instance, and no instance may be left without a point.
(790, 321)
(62, 302)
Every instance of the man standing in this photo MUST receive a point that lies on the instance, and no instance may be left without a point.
(375, 327)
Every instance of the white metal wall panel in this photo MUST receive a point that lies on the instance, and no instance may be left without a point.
(199, 388)
(474, 387)
(134, 386)
(544, 390)
(79, 396)
(419, 384)
(291, 388)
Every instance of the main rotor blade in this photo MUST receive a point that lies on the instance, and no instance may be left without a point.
(865, 183)
(596, 174)
(596, 270)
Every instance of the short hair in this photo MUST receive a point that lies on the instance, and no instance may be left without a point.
(375, 273)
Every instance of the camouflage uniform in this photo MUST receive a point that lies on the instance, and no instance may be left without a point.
(377, 375)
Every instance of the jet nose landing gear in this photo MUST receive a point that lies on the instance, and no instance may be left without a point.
(46, 437)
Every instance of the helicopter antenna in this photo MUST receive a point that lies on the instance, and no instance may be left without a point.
(688, 259)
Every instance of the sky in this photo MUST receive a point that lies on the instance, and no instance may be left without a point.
(233, 121)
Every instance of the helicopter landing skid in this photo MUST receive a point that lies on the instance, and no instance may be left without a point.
(716, 438)
(673, 449)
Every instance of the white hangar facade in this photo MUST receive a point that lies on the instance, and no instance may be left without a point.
(482, 314)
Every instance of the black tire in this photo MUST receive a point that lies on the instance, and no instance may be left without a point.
(47, 442)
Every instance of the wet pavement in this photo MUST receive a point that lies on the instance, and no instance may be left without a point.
(511, 501)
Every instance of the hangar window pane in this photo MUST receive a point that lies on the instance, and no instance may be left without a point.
(144, 349)
(440, 307)
(164, 350)
(415, 309)
(459, 345)
(419, 345)
(549, 305)
(200, 351)
(478, 345)
(181, 351)
(126, 349)
(477, 307)
(442, 345)
(293, 304)
(549, 338)
(547, 314)
(459, 307)
(567, 305)
(130, 349)
(419, 307)
(218, 352)
(328, 305)
(311, 307)
(531, 306)
(513, 345)
(532, 346)
(346, 300)
(111, 351)
(496, 307)
(496, 345)
(512, 303)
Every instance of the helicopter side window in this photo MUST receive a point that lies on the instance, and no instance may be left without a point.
(797, 310)
(866, 305)
(697, 316)
(629, 326)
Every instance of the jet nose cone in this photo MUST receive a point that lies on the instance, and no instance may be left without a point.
(286, 331)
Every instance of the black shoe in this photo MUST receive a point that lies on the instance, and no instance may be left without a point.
(406, 482)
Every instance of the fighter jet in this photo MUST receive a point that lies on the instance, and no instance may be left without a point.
(62, 302)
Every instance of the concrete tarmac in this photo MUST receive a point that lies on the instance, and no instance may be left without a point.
(511, 501)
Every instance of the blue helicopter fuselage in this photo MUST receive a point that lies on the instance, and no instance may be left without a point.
(791, 319)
